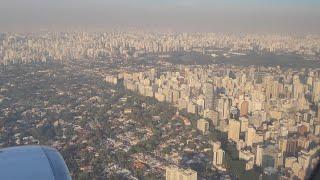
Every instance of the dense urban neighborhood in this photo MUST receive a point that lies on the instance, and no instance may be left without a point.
(163, 106)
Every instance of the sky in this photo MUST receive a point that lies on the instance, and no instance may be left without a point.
(257, 16)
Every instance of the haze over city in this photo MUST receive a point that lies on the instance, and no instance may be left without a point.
(255, 16)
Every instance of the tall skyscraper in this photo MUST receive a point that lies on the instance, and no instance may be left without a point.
(203, 125)
(270, 157)
(244, 122)
(175, 173)
(244, 108)
(316, 91)
(218, 154)
(292, 145)
(223, 107)
(218, 157)
(250, 136)
(297, 89)
(282, 145)
(208, 92)
(234, 130)
(216, 145)
(259, 154)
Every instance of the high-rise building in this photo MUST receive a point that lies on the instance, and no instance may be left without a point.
(292, 146)
(212, 115)
(269, 87)
(244, 124)
(218, 154)
(250, 135)
(316, 91)
(203, 125)
(208, 92)
(297, 89)
(269, 157)
(244, 108)
(234, 130)
(282, 145)
(259, 154)
(175, 173)
(223, 107)
(192, 108)
(218, 157)
(216, 145)
(318, 110)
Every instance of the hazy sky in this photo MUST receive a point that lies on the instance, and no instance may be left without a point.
(177, 15)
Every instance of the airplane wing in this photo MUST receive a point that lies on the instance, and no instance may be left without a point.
(32, 163)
